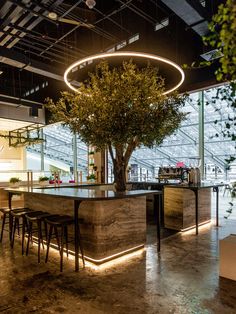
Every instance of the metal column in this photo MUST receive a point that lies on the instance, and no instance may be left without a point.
(42, 151)
(201, 132)
(75, 157)
(106, 174)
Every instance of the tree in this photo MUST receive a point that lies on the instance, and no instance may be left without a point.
(222, 36)
(120, 109)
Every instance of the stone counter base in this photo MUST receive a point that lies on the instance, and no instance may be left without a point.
(109, 227)
(179, 208)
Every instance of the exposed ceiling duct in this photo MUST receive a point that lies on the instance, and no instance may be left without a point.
(16, 109)
(191, 12)
(20, 61)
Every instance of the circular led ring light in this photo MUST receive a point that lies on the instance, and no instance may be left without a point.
(125, 54)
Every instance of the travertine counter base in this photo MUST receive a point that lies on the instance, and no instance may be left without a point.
(179, 207)
(109, 227)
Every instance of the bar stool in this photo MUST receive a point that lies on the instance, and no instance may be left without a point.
(6, 220)
(34, 225)
(15, 218)
(61, 223)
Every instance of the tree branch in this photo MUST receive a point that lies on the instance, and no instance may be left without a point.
(130, 150)
(111, 152)
(119, 152)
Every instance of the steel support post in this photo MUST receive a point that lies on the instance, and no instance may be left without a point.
(201, 133)
(42, 151)
(75, 157)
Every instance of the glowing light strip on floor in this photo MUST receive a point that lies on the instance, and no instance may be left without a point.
(113, 256)
(124, 255)
(116, 261)
(125, 54)
(202, 224)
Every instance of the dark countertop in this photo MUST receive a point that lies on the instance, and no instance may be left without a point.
(149, 185)
(81, 194)
(195, 186)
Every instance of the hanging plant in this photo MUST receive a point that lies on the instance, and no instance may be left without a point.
(22, 137)
(222, 36)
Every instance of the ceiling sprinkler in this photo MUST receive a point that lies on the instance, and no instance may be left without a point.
(90, 3)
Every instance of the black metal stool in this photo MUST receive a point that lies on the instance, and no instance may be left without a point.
(62, 223)
(37, 218)
(7, 220)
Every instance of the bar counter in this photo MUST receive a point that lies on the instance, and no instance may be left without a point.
(114, 223)
(188, 205)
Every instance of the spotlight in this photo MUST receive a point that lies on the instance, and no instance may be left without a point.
(90, 3)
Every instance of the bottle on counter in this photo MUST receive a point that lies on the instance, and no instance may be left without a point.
(194, 176)
(197, 176)
(190, 176)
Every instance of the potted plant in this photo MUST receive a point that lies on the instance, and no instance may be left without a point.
(91, 177)
(120, 109)
(43, 180)
(14, 181)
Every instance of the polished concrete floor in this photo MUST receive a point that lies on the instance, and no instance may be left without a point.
(183, 278)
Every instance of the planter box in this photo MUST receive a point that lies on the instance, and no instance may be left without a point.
(43, 183)
(14, 185)
(228, 257)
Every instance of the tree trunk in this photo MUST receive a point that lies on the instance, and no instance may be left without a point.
(120, 163)
(119, 177)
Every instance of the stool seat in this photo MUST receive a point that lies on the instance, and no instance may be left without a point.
(8, 210)
(5, 210)
(20, 213)
(33, 215)
(7, 219)
(39, 216)
(60, 220)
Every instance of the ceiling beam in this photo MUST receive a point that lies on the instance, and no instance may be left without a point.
(20, 61)
(17, 102)
(34, 23)
(186, 10)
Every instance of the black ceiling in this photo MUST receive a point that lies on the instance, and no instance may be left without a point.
(35, 50)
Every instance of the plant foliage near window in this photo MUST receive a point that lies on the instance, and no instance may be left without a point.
(43, 178)
(91, 177)
(14, 180)
(222, 36)
(120, 109)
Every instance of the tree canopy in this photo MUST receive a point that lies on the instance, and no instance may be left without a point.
(120, 105)
(120, 108)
